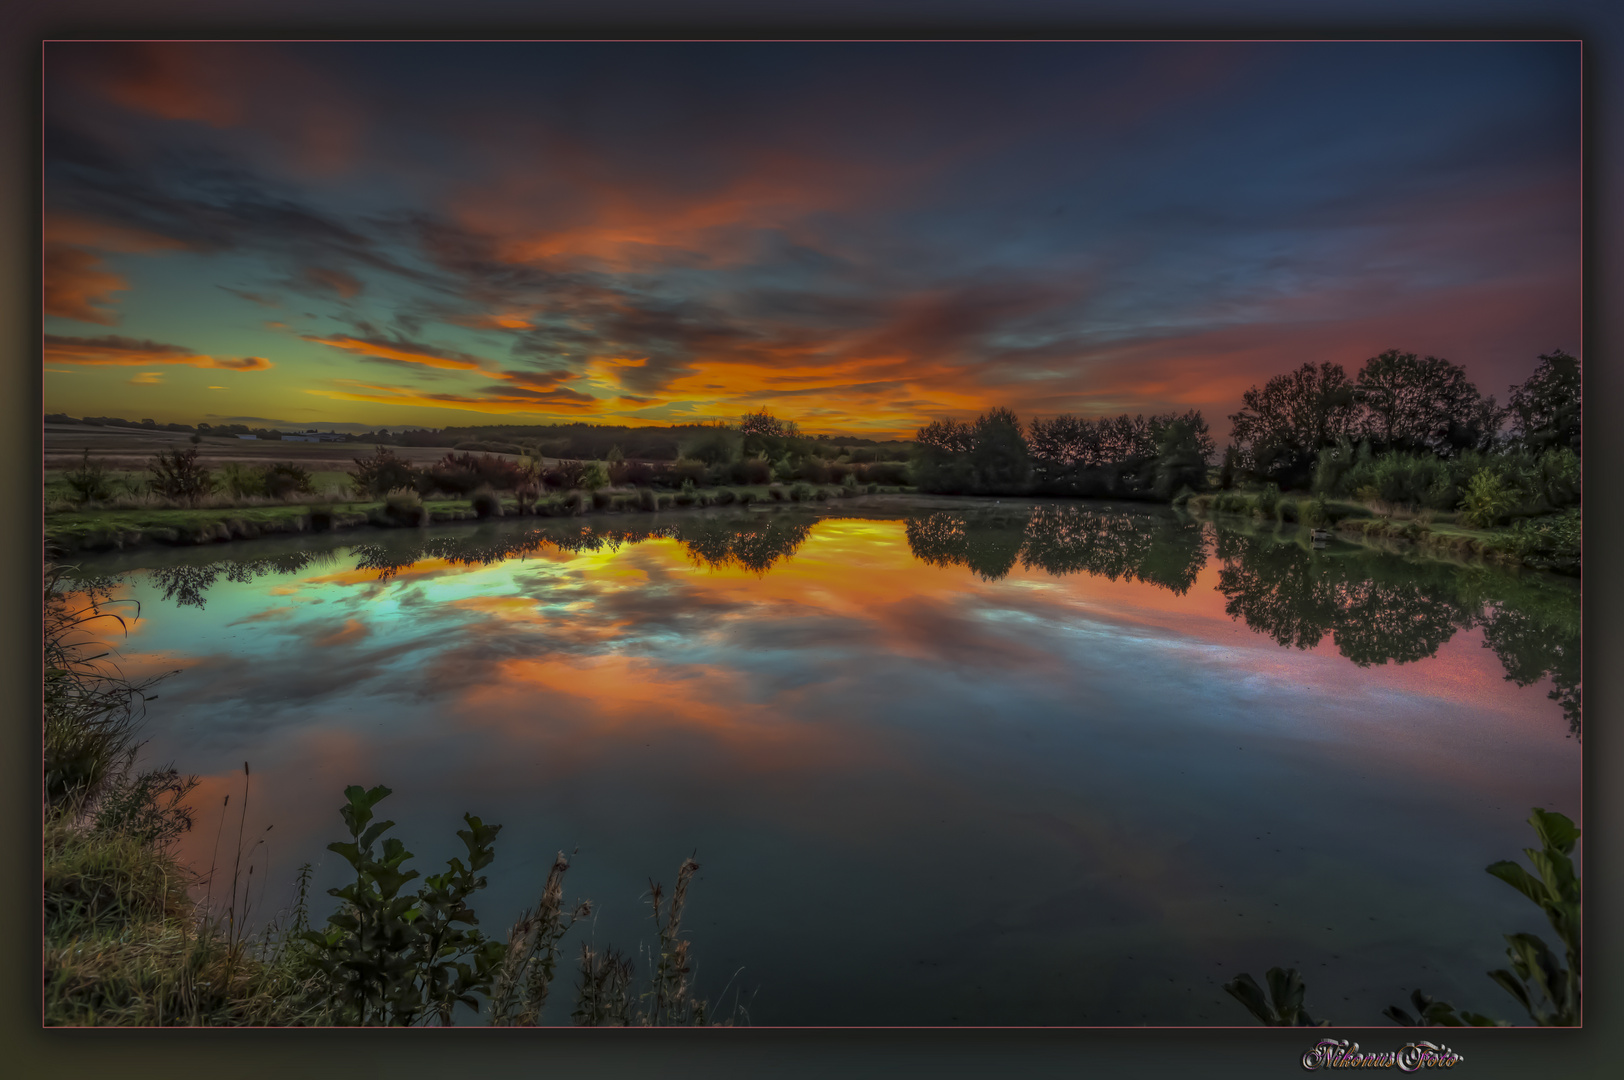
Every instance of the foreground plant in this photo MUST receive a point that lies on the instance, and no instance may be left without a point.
(1547, 991)
(394, 958)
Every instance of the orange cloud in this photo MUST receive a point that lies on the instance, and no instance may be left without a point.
(148, 378)
(115, 350)
(405, 352)
(496, 399)
(76, 286)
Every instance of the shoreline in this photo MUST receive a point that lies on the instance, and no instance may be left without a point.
(203, 528)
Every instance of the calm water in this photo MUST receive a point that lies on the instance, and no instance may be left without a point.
(1072, 764)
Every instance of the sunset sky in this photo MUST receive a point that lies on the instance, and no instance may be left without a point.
(859, 236)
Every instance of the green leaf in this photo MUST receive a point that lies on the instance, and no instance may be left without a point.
(1244, 989)
(1555, 830)
(376, 831)
(1519, 879)
(351, 853)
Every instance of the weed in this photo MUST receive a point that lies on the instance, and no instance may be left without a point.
(89, 482)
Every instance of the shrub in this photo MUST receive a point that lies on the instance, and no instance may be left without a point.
(754, 470)
(724, 497)
(601, 499)
(177, 474)
(595, 476)
(646, 499)
(688, 473)
(565, 475)
(381, 473)
(776, 491)
(1551, 542)
(1488, 500)
(461, 475)
(873, 489)
(800, 492)
(746, 498)
(404, 506)
(283, 478)
(572, 502)
(89, 481)
(486, 503)
(1268, 501)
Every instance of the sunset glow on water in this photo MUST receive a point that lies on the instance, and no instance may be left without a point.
(1052, 766)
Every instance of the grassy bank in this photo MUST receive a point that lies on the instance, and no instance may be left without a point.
(1549, 542)
(107, 528)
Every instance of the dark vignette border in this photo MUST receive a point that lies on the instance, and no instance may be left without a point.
(31, 1052)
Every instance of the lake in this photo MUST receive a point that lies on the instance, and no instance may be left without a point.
(941, 762)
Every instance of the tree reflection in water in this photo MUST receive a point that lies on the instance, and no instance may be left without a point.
(1375, 606)
(1379, 607)
(1157, 549)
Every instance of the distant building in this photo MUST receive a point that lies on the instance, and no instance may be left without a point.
(247, 436)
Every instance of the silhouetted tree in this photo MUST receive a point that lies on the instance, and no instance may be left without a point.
(1545, 409)
(1415, 403)
(1283, 425)
(999, 462)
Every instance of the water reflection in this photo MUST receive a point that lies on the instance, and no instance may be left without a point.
(1374, 606)
(1156, 549)
(1377, 607)
(843, 710)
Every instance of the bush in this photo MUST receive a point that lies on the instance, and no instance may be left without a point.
(800, 492)
(754, 471)
(601, 499)
(646, 499)
(688, 473)
(565, 475)
(283, 478)
(746, 498)
(776, 491)
(595, 476)
(724, 497)
(1488, 500)
(486, 503)
(177, 474)
(1550, 542)
(461, 475)
(404, 506)
(381, 473)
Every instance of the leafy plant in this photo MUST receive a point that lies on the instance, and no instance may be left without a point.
(1283, 1007)
(1549, 992)
(399, 958)
(1488, 499)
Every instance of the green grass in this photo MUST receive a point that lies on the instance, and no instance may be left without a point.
(81, 529)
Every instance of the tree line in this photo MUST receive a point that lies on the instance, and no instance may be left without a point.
(1311, 428)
